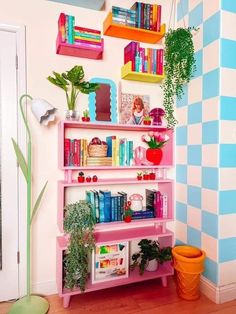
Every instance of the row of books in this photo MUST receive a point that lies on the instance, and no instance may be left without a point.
(158, 202)
(140, 15)
(119, 153)
(77, 35)
(145, 60)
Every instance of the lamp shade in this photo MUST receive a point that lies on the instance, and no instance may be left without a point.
(43, 111)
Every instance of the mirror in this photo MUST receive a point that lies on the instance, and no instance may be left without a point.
(102, 102)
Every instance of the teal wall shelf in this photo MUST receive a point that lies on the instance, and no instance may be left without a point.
(89, 4)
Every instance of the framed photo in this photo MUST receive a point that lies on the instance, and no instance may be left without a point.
(110, 261)
(132, 108)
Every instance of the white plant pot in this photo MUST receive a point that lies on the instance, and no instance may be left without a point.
(71, 115)
(152, 265)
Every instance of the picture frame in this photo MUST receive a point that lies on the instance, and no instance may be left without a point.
(110, 261)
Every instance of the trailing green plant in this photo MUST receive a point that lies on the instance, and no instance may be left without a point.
(72, 82)
(150, 250)
(180, 65)
(79, 224)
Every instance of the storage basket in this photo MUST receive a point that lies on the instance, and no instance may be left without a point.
(97, 150)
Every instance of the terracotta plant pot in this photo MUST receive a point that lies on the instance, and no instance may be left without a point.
(154, 155)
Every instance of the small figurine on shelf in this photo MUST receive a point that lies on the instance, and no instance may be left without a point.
(86, 117)
(157, 114)
(147, 120)
(128, 212)
(95, 178)
(152, 175)
(81, 177)
(88, 179)
(139, 176)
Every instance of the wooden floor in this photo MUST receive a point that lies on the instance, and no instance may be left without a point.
(146, 297)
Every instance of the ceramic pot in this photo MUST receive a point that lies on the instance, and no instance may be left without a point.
(152, 265)
(127, 218)
(154, 155)
(71, 115)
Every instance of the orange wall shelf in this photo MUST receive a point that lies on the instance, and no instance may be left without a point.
(128, 74)
(131, 33)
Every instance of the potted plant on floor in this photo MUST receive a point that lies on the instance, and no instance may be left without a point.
(72, 82)
(179, 68)
(79, 224)
(150, 255)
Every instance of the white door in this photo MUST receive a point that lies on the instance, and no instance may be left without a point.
(9, 172)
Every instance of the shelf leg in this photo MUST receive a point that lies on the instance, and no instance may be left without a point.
(68, 176)
(164, 281)
(66, 301)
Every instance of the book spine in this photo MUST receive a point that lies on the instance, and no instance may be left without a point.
(112, 208)
(77, 153)
(86, 42)
(165, 205)
(87, 30)
(158, 18)
(62, 26)
(101, 208)
(71, 22)
(66, 152)
(154, 18)
(160, 61)
(85, 35)
(72, 152)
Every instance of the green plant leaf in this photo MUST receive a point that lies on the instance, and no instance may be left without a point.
(21, 159)
(38, 201)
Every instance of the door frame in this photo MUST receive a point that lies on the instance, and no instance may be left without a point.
(20, 33)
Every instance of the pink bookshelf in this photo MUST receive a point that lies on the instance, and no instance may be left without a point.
(116, 231)
(81, 50)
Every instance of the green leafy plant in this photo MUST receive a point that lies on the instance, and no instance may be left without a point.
(79, 224)
(149, 250)
(72, 82)
(128, 211)
(180, 65)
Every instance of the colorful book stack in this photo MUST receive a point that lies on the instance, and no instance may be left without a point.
(145, 60)
(71, 34)
(120, 150)
(157, 202)
(99, 161)
(148, 16)
(123, 16)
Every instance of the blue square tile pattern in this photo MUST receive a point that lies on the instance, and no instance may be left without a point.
(179, 242)
(194, 195)
(182, 9)
(211, 270)
(227, 108)
(227, 249)
(195, 113)
(181, 212)
(228, 5)
(227, 155)
(210, 224)
(196, 16)
(211, 84)
(193, 237)
(183, 101)
(181, 173)
(194, 155)
(211, 29)
(227, 201)
(181, 135)
(210, 132)
(228, 53)
(198, 59)
(210, 178)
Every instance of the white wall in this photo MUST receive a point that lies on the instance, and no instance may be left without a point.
(40, 18)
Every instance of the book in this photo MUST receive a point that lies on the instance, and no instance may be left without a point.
(62, 26)
(66, 152)
(87, 30)
(150, 196)
(105, 206)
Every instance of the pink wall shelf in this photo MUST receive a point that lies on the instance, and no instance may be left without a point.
(79, 50)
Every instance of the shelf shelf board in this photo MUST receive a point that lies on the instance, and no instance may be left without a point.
(88, 4)
(115, 167)
(128, 74)
(132, 33)
(164, 270)
(80, 50)
(115, 181)
(112, 126)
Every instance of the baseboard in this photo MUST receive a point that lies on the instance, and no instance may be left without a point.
(218, 294)
(45, 288)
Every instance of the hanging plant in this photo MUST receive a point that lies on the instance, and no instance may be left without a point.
(179, 68)
(79, 224)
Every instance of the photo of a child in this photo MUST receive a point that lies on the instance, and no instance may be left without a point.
(133, 108)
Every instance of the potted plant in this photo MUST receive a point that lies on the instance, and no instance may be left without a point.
(152, 176)
(145, 175)
(155, 141)
(128, 212)
(150, 255)
(79, 224)
(139, 176)
(72, 82)
(86, 117)
(147, 120)
(81, 177)
(179, 68)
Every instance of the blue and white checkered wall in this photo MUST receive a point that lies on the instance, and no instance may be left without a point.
(206, 139)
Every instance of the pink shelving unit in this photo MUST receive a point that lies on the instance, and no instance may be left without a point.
(119, 230)
(78, 50)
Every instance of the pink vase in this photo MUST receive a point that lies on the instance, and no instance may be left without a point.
(154, 155)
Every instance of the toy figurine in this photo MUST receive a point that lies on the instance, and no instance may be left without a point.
(157, 114)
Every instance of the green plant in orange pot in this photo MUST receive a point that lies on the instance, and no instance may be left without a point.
(155, 141)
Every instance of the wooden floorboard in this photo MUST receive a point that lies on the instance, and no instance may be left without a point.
(146, 298)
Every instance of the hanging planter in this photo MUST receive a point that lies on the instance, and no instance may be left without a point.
(179, 68)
